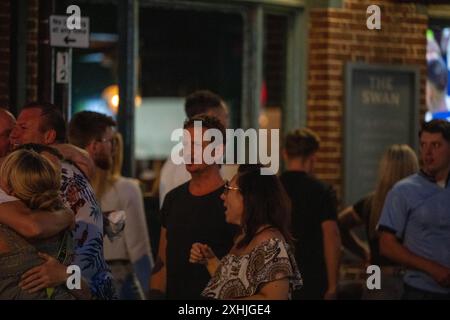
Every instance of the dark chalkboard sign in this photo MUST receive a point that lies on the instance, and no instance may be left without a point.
(381, 108)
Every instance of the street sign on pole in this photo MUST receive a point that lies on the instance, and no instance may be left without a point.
(62, 67)
(61, 36)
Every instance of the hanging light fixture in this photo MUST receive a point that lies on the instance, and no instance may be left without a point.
(111, 95)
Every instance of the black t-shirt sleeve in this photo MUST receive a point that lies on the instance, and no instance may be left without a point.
(359, 206)
(362, 207)
(328, 207)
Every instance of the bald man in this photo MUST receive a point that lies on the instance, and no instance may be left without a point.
(7, 122)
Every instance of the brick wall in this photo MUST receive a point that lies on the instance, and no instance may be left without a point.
(338, 35)
(5, 21)
(32, 50)
(5, 51)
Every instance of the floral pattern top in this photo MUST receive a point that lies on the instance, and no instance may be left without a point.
(78, 195)
(242, 276)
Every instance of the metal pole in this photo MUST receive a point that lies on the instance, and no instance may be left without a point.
(63, 91)
(294, 113)
(128, 15)
(252, 66)
(66, 101)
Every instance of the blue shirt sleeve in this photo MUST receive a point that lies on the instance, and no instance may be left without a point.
(394, 214)
(143, 268)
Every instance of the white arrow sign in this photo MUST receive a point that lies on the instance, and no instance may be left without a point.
(61, 36)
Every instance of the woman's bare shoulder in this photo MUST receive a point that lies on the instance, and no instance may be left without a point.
(265, 235)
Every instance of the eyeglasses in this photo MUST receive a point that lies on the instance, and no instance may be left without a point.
(228, 188)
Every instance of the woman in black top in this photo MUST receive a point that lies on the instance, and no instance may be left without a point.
(398, 162)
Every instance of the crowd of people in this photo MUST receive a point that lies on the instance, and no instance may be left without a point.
(227, 232)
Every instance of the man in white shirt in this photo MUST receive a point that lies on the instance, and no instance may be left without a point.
(198, 102)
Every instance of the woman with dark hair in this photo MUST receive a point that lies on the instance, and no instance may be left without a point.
(260, 265)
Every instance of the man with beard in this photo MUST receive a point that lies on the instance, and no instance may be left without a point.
(94, 133)
(42, 123)
(130, 255)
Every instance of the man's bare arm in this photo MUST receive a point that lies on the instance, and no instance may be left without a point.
(158, 280)
(78, 156)
(50, 274)
(391, 247)
(347, 220)
(34, 224)
(332, 253)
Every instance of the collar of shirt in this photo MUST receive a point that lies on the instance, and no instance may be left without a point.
(432, 178)
(4, 197)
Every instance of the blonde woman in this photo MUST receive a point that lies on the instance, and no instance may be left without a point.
(34, 180)
(398, 162)
(129, 256)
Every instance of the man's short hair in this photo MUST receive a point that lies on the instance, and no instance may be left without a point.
(437, 126)
(301, 143)
(207, 122)
(201, 101)
(87, 126)
(52, 119)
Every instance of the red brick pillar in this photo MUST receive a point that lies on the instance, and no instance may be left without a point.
(5, 23)
(5, 51)
(340, 35)
(32, 49)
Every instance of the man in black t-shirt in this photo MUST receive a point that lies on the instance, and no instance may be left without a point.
(192, 212)
(318, 245)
